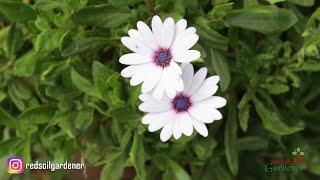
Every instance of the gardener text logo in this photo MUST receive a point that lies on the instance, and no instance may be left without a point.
(15, 165)
(283, 165)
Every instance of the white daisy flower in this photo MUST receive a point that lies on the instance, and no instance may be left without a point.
(191, 108)
(156, 53)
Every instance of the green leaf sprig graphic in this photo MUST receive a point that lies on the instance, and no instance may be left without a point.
(297, 152)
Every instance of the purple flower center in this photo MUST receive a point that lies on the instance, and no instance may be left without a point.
(181, 103)
(162, 57)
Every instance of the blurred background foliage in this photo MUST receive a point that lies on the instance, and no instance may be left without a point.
(62, 97)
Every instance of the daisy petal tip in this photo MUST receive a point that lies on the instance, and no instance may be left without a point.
(176, 136)
(224, 102)
(139, 24)
(141, 107)
(164, 139)
(204, 134)
(188, 133)
(124, 39)
(124, 74)
(197, 54)
(169, 20)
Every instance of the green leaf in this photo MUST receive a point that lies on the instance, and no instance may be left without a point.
(303, 2)
(247, 3)
(65, 121)
(203, 148)
(3, 96)
(25, 66)
(230, 136)
(309, 65)
(123, 3)
(14, 39)
(210, 36)
(114, 169)
(296, 81)
(215, 169)
(178, 171)
(84, 118)
(48, 40)
(101, 16)
(275, 1)
(70, 47)
(17, 11)
(7, 120)
(244, 117)
(264, 19)
(55, 69)
(15, 98)
(37, 115)
(221, 67)
(276, 88)
(124, 115)
(251, 143)
(20, 89)
(107, 83)
(137, 156)
(83, 84)
(271, 121)
(243, 108)
(9, 147)
(26, 150)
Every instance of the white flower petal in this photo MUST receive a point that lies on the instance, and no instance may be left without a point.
(188, 56)
(136, 46)
(207, 89)
(149, 97)
(166, 131)
(173, 82)
(213, 102)
(133, 33)
(206, 115)
(156, 125)
(137, 78)
(187, 75)
(152, 79)
(159, 89)
(183, 43)
(145, 97)
(156, 24)
(185, 123)
(168, 32)
(200, 127)
(180, 27)
(134, 58)
(128, 71)
(177, 132)
(191, 30)
(176, 67)
(147, 35)
(163, 116)
(154, 106)
(198, 80)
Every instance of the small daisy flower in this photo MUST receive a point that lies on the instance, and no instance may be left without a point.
(191, 108)
(156, 53)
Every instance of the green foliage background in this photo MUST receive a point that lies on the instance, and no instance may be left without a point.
(61, 92)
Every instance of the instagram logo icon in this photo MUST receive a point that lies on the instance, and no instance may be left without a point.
(15, 165)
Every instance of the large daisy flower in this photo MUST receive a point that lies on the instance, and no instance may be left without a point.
(156, 53)
(193, 107)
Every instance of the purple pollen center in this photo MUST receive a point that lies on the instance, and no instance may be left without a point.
(162, 57)
(181, 103)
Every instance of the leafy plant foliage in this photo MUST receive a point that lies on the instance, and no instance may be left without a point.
(61, 93)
